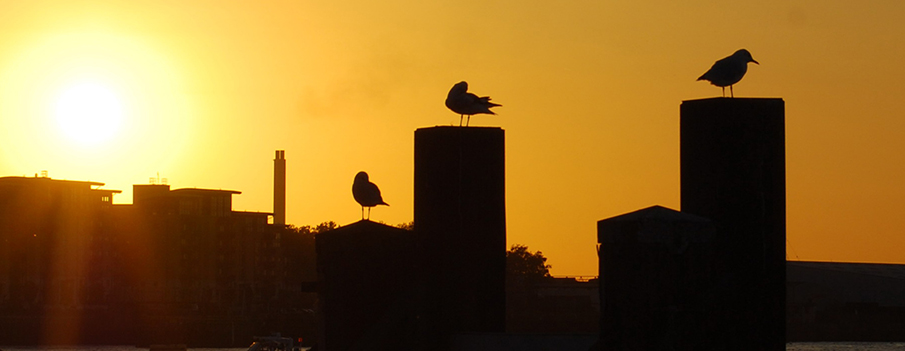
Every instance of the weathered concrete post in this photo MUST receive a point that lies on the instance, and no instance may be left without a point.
(460, 217)
(733, 172)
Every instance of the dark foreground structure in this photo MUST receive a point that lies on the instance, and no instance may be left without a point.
(460, 217)
(367, 274)
(385, 288)
(657, 265)
(733, 171)
(666, 282)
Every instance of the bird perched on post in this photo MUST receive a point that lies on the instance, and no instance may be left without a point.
(729, 70)
(366, 193)
(460, 101)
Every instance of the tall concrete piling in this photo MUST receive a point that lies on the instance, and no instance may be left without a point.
(733, 172)
(460, 218)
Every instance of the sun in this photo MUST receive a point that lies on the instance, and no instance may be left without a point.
(88, 113)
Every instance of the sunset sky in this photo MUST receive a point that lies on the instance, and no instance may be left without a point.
(203, 92)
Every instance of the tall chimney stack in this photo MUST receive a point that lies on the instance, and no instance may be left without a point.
(279, 188)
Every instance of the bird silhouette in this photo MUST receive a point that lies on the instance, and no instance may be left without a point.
(460, 101)
(366, 193)
(729, 70)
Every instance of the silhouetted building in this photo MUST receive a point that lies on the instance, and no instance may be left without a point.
(193, 256)
(545, 305)
(369, 295)
(656, 274)
(279, 188)
(733, 172)
(201, 254)
(176, 266)
(58, 254)
(834, 301)
(56, 239)
(460, 216)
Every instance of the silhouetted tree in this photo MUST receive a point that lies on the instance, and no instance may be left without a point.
(521, 262)
(324, 227)
(300, 250)
(407, 225)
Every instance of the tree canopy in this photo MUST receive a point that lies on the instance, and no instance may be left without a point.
(407, 225)
(521, 262)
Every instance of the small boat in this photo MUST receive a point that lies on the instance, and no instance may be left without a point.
(274, 343)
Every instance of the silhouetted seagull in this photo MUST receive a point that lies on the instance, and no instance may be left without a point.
(729, 70)
(366, 193)
(460, 101)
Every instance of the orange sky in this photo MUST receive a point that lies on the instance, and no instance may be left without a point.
(590, 93)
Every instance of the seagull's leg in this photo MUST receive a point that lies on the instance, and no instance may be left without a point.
(362, 212)
(731, 94)
(469, 121)
(724, 91)
(369, 213)
(460, 119)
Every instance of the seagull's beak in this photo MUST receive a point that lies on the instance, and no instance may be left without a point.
(755, 61)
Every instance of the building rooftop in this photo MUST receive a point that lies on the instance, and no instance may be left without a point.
(201, 191)
(19, 180)
(885, 270)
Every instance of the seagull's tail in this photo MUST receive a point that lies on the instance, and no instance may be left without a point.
(485, 100)
(703, 77)
(383, 203)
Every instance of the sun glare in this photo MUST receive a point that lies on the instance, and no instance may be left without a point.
(88, 113)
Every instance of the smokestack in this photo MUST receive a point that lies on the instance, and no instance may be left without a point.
(279, 188)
